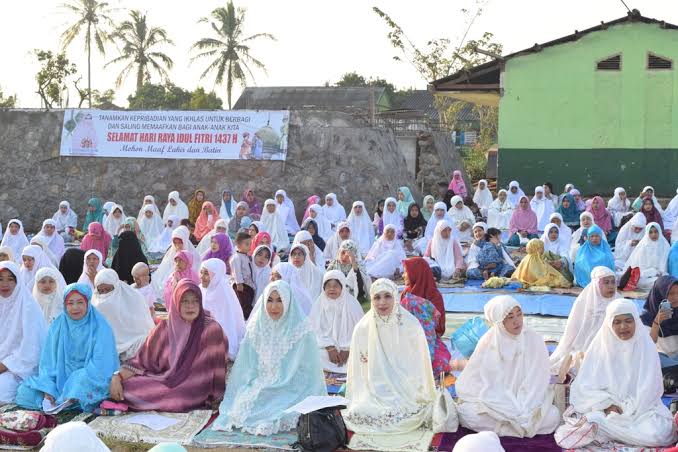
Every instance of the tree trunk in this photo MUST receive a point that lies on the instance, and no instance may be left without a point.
(89, 64)
(229, 84)
(140, 77)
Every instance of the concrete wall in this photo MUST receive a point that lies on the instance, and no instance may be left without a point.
(328, 152)
(408, 147)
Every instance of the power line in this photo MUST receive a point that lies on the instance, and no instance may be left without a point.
(625, 5)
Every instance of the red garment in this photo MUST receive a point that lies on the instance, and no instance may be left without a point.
(422, 284)
(258, 241)
(96, 239)
(177, 276)
(203, 225)
(314, 199)
(601, 216)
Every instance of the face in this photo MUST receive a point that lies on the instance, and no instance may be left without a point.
(189, 306)
(383, 303)
(608, 286)
(649, 192)
(46, 285)
(275, 276)
(179, 265)
(92, 262)
(170, 223)
(204, 277)
(252, 230)
(279, 198)
(344, 233)
(214, 245)
(250, 197)
(4, 257)
(274, 306)
(502, 196)
(401, 196)
(226, 197)
(622, 195)
(586, 222)
(358, 210)
(311, 229)
(178, 244)
(577, 197)
(222, 229)
(654, 234)
(117, 214)
(439, 213)
(240, 211)
(414, 212)
(14, 228)
(389, 234)
(514, 190)
(391, 207)
(200, 196)
(148, 214)
(624, 326)
(312, 214)
(539, 195)
(173, 201)
(406, 278)
(637, 229)
(208, 210)
(478, 233)
(141, 277)
(523, 203)
(103, 289)
(445, 233)
(553, 234)
(28, 261)
(595, 204)
(270, 208)
(547, 189)
(333, 289)
(429, 204)
(244, 245)
(63, 209)
(345, 257)
(329, 201)
(513, 323)
(647, 205)
(595, 239)
(566, 203)
(481, 185)
(298, 257)
(459, 205)
(76, 306)
(91, 208)
(672, 296)
(261, 258)
(7, 283)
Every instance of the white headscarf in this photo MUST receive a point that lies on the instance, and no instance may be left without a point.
(392, 218)
(286, 212)
(126, 311)
(362, 229)
(654, 198)
(383, 245)
(152, 228)
(499, 213)
(290, 275)
(23, 328)
(625, 373)
(16, 242)
(73, 436)
(223, 305)
(180, 210)
(154, 206)
(206, 241)
(223, 213)
(112, 224)
(336, 212)
(565, 231)
(433, 221)
(623, 248)
(584, 320)
(261, 275)
(334, 320)
(309, 274)
(54, 242)
(514, 199)
(671, 212)
(332, 245)
(442, 250)
(650, 254)
(508, 375)
(164, 240)
(51, 304)
(479, 442)
(615, 204)
(324, 225)
(559, 247)
(542, 207)
(65, 220)
(483, 196)
(166, 267)
(275, 226)
(84, 277)
(40, 260)
(459, 215)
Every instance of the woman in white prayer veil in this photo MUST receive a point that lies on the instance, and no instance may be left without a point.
(628, 238)
(180, 242)
(385, 258)
(48, 291)
(671, 213)
(175, 206)
(362, 230)
(505, 385)
(499, 213)
(285, 208)
(619, 386)
(65, 218)
(164, 240)
(33, 259)
(542, 206)
(41, 241)
(15, 238)
(315, 254)
(565, 231)
(113, 222)
(222, 303)
(324, 226)
(53, 240)
(275, 225)
(390, 399)
(483, 197)
(391, 216)
(150, 223)
(149, 200)
(515, 193)
(333, 210)
(651, 255)
(333, 317)
(221, 226)
(288, 273)
(584, 320)
(309, 274)
(459, 212)
(439, 214)
(619, 206)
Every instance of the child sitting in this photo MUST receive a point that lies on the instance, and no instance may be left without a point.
(493, 259)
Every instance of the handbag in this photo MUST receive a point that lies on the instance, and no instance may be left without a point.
(321, 431)
(629, 280)
(670, 377)
(445, 416)
(576, 432)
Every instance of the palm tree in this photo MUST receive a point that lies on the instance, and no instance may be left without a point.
(138, 39)
(95, 17)
(229, 48)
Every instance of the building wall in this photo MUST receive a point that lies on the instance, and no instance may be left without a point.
(562, 120)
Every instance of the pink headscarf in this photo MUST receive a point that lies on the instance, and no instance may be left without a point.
(203, 225)
(177, 275)
(601, 216)
(314, 199)
(523, 219)
(96, 239)
(457, 184)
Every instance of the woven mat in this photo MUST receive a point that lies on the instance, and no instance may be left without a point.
(183, 432)
(236, 438)
(540, 443)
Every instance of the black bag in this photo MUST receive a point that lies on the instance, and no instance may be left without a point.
(321, 431)
(670, 375)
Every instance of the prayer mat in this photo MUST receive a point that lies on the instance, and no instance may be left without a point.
(237, 438)
(183, 432)
(540, 443)
(334, 382)
(416, 441)
(615, 447)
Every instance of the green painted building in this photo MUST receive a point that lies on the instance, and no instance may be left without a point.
(598, 108)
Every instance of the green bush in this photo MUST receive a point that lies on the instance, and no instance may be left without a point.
(475, 162)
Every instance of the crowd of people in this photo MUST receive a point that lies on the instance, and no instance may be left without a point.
(247, 287)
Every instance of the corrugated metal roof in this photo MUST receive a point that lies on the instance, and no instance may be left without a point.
(307, 97)
(424, 101)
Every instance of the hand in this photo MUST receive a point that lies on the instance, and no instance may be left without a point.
(352, 260)
(457, 273)
(50, 398)
(663, 314)
(343, 357)
(634, 242)
(333, 355)
(239, 287)
(115, 388)
(612, 409)
(464, 227)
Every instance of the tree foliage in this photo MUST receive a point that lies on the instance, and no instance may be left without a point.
(172, 97)
(7, 102)
(52, 76)
(229, 49)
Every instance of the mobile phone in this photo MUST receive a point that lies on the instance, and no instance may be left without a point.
(665, 306)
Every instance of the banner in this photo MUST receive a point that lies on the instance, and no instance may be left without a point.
(224, 135)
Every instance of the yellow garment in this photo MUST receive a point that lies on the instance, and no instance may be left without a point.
(195, 206)
(535, 271)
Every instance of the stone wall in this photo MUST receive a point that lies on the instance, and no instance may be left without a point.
(438, 158)
(328, 152)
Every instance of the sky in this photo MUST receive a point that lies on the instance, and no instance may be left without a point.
(317, 41)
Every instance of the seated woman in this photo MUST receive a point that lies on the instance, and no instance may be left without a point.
(593, 253)
(15, 238)
(220, 248)
(333, 317)
(23, 332)
(523, 225)
(391, 216)
(427, 207)
(180, 242)
(126, 311)
(446, 252)
(32, 260)
(128, 254)
(570, 213)
(492, 258)
(48, 292)
(261, 269)
(311, 227)
(315, 254)
(349, 261)
(483, 197)
(628, 238)
(315, 213)
(277, 367)
(414, 227)
(386, 255)
(182, 365)
(361, 226)
(439, 214)
(96, 238)
(221, 226)
(534, 270)
(542, 207)
(565, 232)
(499, 213)
(309, 274)
(650, 256)
(601, 216)
(287, 272)
(471, 258)
(422, 299)
(53, 240)
(584, 320)
(556, 251)
(264, 238)
(183, 268)
(653, 214)
(92, 264)
(463, 233)
(619, 206)
(390, 399)
(236, 221)
(663, 323)
(459, 213)
(77, 359)
(206, 220)
(275, 226)
(221, 302)
(505, 385)
(619, 386)
(579, 236)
